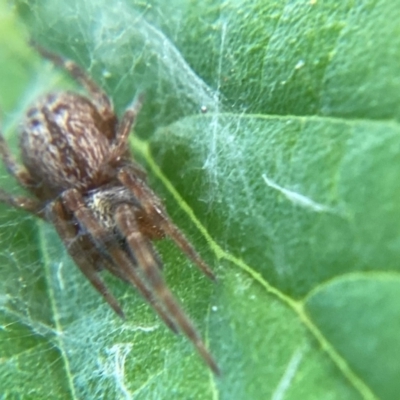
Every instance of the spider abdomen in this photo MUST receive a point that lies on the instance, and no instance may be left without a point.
(65, 141)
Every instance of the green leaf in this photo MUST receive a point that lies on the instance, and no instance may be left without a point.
(271, 130)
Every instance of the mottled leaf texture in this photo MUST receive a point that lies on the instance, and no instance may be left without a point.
(271, 129)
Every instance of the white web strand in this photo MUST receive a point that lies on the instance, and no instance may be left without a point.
(297, 198)
(288, 375)
(115, 367)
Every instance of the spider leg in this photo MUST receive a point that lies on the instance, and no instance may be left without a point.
(99, 96)
(23, 203)
(141, 248)
(68, 233)
(126, 270)
(23, 178)
(147, 295)
(145, 292)
(153, 207)
(125, 126)
(17, 171)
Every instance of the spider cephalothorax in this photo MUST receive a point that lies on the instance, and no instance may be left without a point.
(79, 169)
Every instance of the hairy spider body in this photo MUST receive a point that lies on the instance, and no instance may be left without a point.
(78, 166)
(103, 203)
(66, 129)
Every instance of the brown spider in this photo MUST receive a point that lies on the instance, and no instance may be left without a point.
(78, 166)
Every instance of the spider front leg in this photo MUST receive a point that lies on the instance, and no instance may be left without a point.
(100, 98)
(142, 250)
(125, 126)
(74, 202)
(153, 207)
(70, 236)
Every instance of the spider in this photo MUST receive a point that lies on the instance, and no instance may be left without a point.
(79, 169)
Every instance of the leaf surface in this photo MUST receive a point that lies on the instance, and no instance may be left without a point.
(271, 130)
